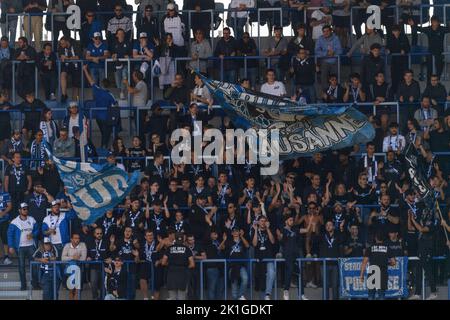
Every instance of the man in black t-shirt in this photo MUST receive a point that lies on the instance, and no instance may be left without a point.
(178, 259)
(354, 246)
(378, 255)
(150, 265)
(290, 240)
(425, 224)
(97, 250)
(331, 247)
(214, 271)
(199, 254)
(263, 241)
(17, 182)
(236, 248)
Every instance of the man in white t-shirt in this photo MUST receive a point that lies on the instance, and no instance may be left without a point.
(22, 233)
(272, 86)
(319, 18)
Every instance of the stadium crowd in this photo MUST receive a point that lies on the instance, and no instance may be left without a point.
(329, 205)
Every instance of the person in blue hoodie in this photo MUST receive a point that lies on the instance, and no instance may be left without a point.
(56, 226)
(22, 234)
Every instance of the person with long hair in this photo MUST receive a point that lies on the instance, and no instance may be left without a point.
(48, 126)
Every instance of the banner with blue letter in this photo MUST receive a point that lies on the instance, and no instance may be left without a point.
(351, 285)
(94, 188)
(303, 129)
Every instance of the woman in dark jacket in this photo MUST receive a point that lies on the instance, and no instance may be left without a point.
(167, 52)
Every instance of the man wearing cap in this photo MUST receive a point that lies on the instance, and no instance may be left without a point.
(178, 259)
(38, 202)
(200, 218)
(22, 234)
(96, 53)
(148, 23)
(67, 51)
(17, 181)
(45, 255)
(119, 21)
(111, 159)
(173, 24)
(72, 119)
(56, 226)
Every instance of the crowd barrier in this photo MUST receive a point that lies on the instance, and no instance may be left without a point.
(59, 274)
(283, 12)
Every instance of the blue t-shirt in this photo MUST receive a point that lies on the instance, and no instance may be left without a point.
(140, 50)
(5, 198)
(97, 52)
(103, 99)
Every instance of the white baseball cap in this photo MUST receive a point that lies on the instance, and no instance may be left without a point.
(97, 34)
(47, 240)
(170, 6)
(142, 35)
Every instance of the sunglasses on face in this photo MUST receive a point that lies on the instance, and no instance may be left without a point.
(90, 15)
(118, 10)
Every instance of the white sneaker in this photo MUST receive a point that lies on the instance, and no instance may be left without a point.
(146, 299)
(432, 296)
(414, 297)
(311, 285)
(285, 295)
(52, 97)
(304, 297)
(267, 297)
(122, 96)
(7, 261)
(242, 298)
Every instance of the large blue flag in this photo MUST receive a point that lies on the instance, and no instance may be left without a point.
(303, 129)
(94, 188)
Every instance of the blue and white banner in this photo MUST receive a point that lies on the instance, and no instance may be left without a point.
(94, 188)
(351, 285)
(303, 129)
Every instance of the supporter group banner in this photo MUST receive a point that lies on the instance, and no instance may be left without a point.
(303, 129)
(351, 285)
(94, 188)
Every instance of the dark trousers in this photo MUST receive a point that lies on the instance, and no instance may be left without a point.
(105, 130)
(332, 281)
(49, 288)
(215, 283)
(288, 272)
(398, 65)
(59, 26)
(17, 196)
(24, 254)
(376, 294)
(425, 263)
(438, 65)
(96, 280)
(49, 83)
(193, 288)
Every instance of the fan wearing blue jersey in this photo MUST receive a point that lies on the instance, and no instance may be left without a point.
(107, 115)
(5, 208)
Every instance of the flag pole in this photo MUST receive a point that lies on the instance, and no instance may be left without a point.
(441, 217)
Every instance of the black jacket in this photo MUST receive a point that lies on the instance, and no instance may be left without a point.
(304, 71)
(227, 48)
(32, 112)
(435, 38)
(369, 68)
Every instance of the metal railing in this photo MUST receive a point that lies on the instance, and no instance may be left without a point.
(57, 275)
